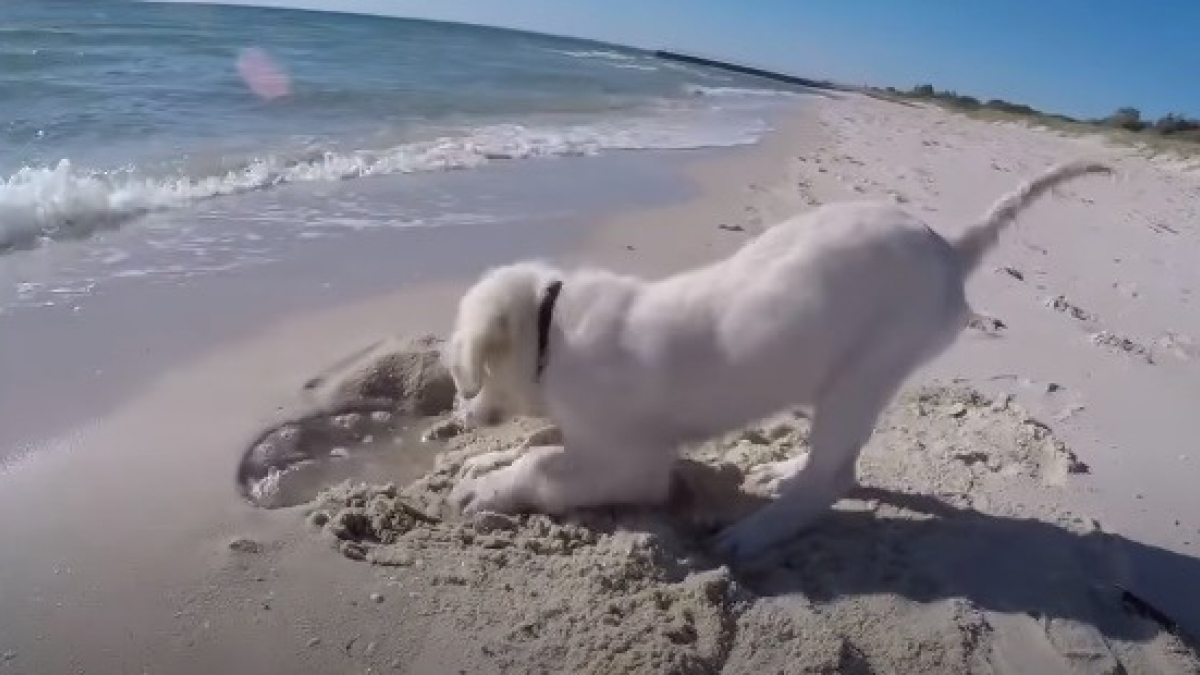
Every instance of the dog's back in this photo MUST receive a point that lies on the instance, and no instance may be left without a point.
(780, 318)
(773, 321)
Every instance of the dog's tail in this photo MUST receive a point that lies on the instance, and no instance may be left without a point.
(973, 244)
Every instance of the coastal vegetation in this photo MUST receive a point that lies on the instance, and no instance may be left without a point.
(1173, 130)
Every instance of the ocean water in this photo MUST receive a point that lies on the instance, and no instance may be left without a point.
(124, 127)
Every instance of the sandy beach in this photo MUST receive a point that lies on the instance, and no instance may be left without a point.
(1027, 504)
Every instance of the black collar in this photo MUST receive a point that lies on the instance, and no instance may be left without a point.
(545, 314)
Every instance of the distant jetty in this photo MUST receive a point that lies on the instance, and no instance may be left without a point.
(745, 70)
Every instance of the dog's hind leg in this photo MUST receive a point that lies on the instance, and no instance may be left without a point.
(844, 420)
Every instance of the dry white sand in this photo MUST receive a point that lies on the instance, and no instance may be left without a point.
(1007, 496)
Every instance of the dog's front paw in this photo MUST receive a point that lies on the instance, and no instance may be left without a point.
(488, 462)
(495, 492)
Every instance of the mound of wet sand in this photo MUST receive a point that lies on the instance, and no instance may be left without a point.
(953, 557)
(404, 373)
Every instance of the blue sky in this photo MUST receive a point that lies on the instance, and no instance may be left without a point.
(1080, 57)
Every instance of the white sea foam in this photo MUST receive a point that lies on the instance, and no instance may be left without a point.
(608, 58)
(741, 92)
(645, 67)
(63, 202)
(600, 54)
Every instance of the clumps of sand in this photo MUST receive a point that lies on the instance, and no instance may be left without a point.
(1060, 303)
(985, 439)
(1101, 338)
(953, 557)
(983, 323)
(1012, 272)
(1123, 344)
(365, 514)
(536, 595)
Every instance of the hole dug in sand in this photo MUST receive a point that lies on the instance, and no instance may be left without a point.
(954, 557)
(379, 414)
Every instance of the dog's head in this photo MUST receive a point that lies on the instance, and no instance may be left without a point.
(492, 351)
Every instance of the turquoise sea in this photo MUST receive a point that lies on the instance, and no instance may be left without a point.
(133, 117)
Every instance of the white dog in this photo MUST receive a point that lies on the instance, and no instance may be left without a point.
(830, 310)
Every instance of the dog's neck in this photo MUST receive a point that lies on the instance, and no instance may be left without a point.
(545, 316)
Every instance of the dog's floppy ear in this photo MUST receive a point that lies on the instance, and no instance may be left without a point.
(474, 347)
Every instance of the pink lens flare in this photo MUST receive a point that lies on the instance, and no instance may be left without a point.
(260, 73)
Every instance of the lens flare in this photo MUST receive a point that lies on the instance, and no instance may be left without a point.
(262, 75)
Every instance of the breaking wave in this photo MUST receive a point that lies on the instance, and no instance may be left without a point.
(40, 204)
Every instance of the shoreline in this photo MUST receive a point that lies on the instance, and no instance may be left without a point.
(98, 350)
(999, 576)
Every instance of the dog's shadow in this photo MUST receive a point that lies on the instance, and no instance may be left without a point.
(918, 547)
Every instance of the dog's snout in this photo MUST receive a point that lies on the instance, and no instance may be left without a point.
(478, 412)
